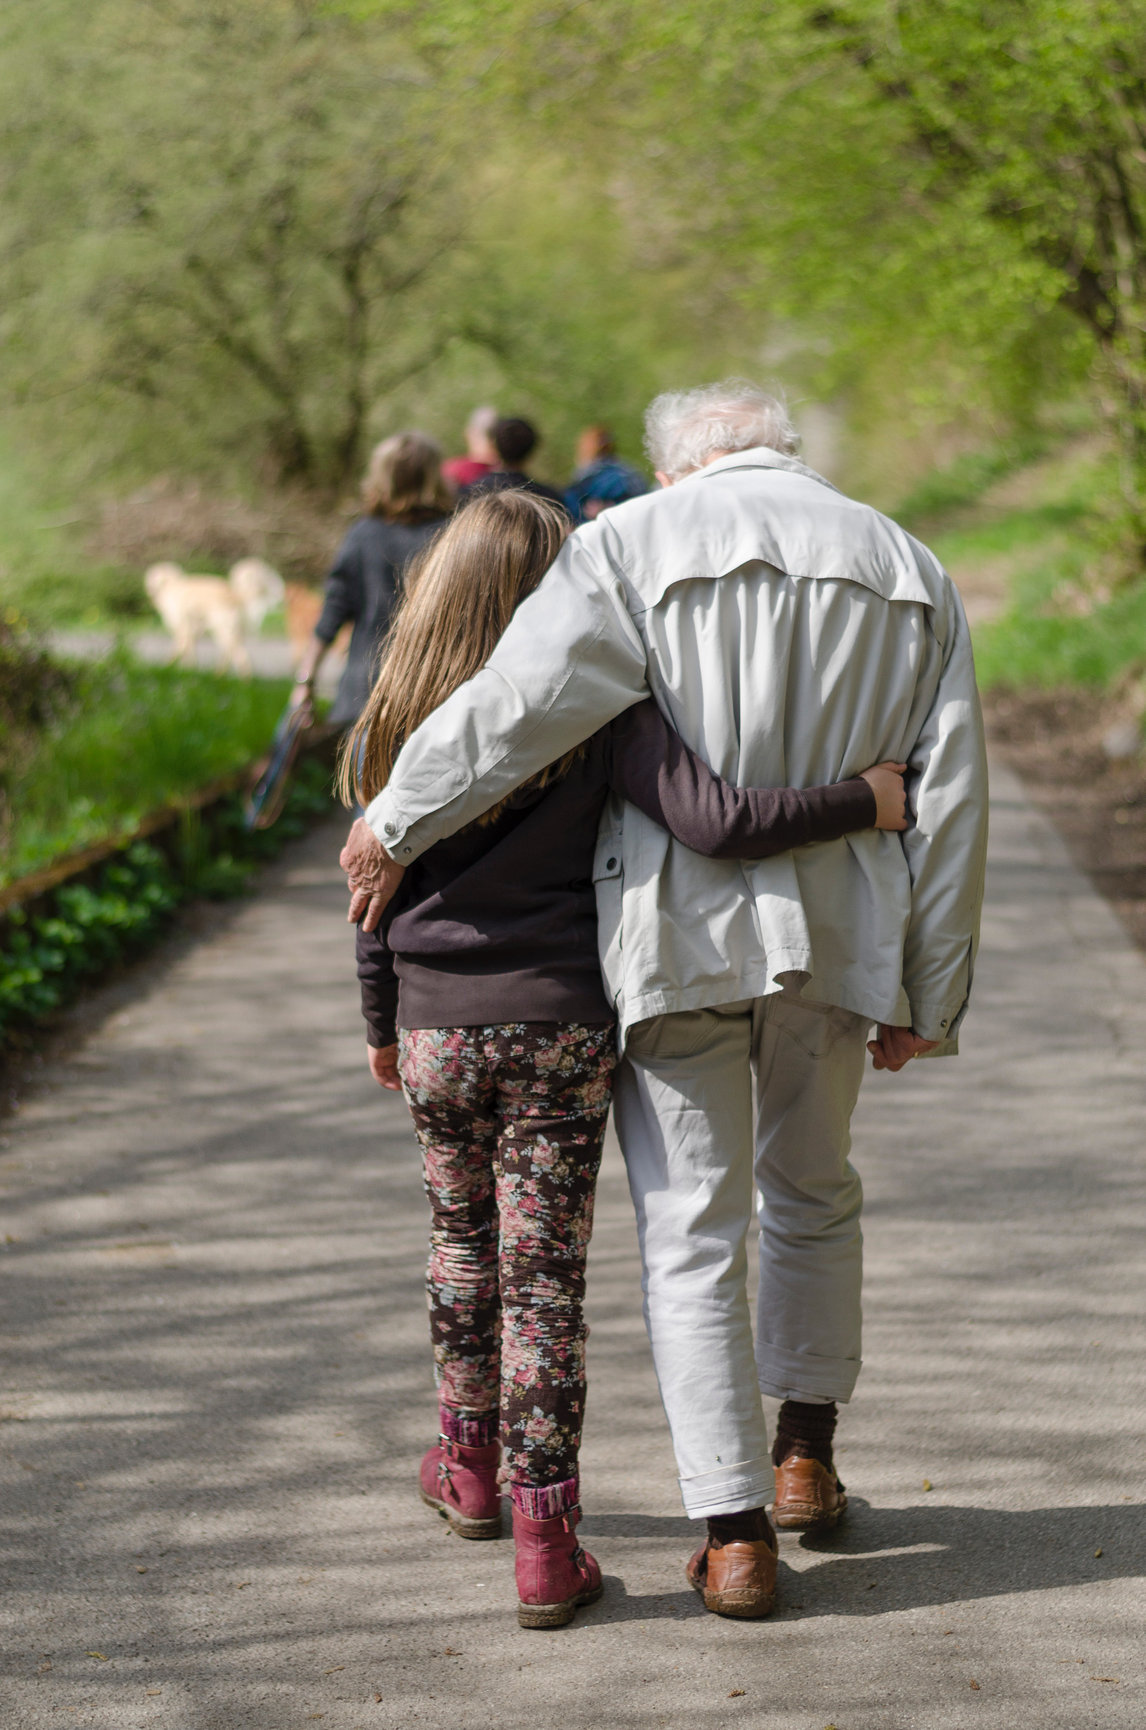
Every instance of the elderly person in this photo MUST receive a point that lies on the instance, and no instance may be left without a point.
(791, 635)
(406, 503)
(480, 455)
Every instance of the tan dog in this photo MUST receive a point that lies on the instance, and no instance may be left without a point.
(196, 606)
(259, 588)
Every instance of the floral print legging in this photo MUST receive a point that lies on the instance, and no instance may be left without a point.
(511, 1120)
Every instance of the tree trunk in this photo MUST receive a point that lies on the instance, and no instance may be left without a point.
(1125, 360)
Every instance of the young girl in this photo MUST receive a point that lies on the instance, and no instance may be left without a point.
(486, 961)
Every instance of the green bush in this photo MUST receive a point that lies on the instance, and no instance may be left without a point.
(47, 955)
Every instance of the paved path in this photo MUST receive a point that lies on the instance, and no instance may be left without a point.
(218, 1387)
(271, 657)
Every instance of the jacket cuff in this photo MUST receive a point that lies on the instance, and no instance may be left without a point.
(380, 1034)
(938, 1022)
(390, 827)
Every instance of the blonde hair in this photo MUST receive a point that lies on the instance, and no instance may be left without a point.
(460, 594)
(403, 479)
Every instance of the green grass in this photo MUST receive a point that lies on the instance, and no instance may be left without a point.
(72, 594)
(1026, 648)
(1025, 531)
(72, 936)
(1047, 537)
(135, 738)
(964, 481)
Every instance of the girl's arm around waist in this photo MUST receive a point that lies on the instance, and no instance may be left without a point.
(655, 770)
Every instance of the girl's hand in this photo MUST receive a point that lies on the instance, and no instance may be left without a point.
(886, 782)
(383, 1061)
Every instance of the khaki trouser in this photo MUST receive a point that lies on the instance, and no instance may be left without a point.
(685, 1120)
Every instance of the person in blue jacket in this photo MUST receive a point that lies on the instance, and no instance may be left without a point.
(601, 478)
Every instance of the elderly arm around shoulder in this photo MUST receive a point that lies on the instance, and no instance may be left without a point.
(570, 660)
(946, 846)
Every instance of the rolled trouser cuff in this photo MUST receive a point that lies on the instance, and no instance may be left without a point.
(728, 1489)
(789, 1375)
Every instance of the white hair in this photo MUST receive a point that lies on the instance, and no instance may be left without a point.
(684, 429)
(482, 421)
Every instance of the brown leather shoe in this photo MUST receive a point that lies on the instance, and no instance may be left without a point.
(737, 1579)
(809, 1497)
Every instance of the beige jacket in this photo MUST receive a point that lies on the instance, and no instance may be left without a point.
(794, 637)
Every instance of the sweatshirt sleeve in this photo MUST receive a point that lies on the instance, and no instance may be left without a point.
(379, 984)
(342, 597)
(653, 768)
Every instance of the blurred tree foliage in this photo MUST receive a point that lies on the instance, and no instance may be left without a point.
(243, 240)
(252, 237)
(222, 225)
(951, 196)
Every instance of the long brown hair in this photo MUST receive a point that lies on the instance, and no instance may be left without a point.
(403, 480)
(460, 594)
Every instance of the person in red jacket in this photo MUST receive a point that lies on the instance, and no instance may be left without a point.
(480, 457)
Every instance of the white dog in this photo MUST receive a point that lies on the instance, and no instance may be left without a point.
(259, 587)
(194, 606)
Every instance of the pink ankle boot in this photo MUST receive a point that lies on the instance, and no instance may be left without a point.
(554, 1574)
(461, 1483)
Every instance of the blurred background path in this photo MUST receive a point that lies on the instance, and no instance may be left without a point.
(272, 657)
(218, 1385)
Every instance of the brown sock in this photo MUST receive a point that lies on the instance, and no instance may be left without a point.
(806, 1431)
(747, 1527)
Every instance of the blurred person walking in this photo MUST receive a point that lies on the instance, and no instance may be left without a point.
(514, 441)
(406, 503)
(600, 479)
(487, 962)
(791, 634)
(480, 457)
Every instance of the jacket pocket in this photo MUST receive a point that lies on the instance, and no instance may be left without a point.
(816, 1028)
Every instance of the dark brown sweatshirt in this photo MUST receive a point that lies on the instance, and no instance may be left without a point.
(498, 923)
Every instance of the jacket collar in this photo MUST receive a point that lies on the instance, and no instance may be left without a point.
(759, 457)
(798, 523)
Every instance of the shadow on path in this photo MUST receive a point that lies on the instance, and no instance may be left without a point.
(889, 1559)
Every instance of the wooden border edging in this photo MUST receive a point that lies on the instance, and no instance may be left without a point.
(38, 883)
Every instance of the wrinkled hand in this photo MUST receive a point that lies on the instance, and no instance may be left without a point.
(371, 875)
(383, 1061)
(894, 1046)
(886, 782)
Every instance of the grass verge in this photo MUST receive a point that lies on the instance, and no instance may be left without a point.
(1031, 650)
(71, 936)
(132, 738)
(1033, 552)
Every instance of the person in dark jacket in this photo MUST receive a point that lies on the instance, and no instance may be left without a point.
(483, 998)
(406, 503)
(515, 441)
(601, 478)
